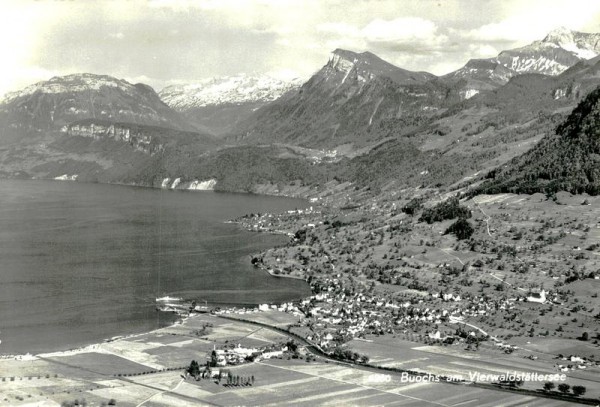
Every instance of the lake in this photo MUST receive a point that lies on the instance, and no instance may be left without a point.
(83, 262)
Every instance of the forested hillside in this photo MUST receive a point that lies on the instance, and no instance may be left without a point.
(568, 160)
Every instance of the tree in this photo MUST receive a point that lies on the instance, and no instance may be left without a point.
(213, 358)
(413, 206)
(548, 386)
(579, 390)
(564, 388)
(448, 209)
(292, 346)
(194, 369)
(462, 229)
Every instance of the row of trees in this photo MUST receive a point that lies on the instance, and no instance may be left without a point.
(346, 354)
(239, 380)
(565, 388)
(195, 371)
(84, 403)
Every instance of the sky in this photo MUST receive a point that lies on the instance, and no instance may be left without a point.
(163, 42)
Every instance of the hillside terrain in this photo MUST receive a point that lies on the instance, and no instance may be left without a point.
(452, 224)
(568, 160)
(355, 99)
(91, 128)
(360, 123)
(61, 100)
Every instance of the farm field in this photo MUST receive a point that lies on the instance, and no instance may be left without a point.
(297, 383)
(449, 361)
(128, 370)
(143, 369)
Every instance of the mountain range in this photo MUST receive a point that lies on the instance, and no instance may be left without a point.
(553, 55)
(354, 99)
(359, 122)
(92, 127)
(215, 105)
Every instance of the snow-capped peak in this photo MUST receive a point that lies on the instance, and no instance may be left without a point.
(559, 35)
(226, 90)
(583, 45)
(557, 52)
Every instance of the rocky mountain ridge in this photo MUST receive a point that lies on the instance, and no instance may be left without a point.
(553, 55)
(91, 128)
(353, 99)
(366, 66)
(384, 126)
(48, 106)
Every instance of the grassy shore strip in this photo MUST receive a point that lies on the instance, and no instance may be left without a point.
(316, 350)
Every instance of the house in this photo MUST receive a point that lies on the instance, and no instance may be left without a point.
(434, 335)
(537, 296)
(273, 354)
(576, 359)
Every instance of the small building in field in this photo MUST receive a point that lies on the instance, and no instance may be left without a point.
(537, 296)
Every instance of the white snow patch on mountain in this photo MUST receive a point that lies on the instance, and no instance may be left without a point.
(580, 52)
(226, 90)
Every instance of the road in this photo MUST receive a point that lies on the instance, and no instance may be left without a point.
(487, 217)
(162, 392)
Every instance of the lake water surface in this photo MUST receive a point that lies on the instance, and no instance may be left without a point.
(83, 262)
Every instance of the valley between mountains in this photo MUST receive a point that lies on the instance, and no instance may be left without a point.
(458, 212)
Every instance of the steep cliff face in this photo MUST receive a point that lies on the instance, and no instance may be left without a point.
(195, 185)
(135, 136)
(366, 66)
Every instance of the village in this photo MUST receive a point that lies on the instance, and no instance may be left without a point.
(376, 271)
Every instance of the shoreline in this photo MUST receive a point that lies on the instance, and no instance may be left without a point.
(95, 344)
(184, 304)
(89, 348)
(95, 347)
(133, 185)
